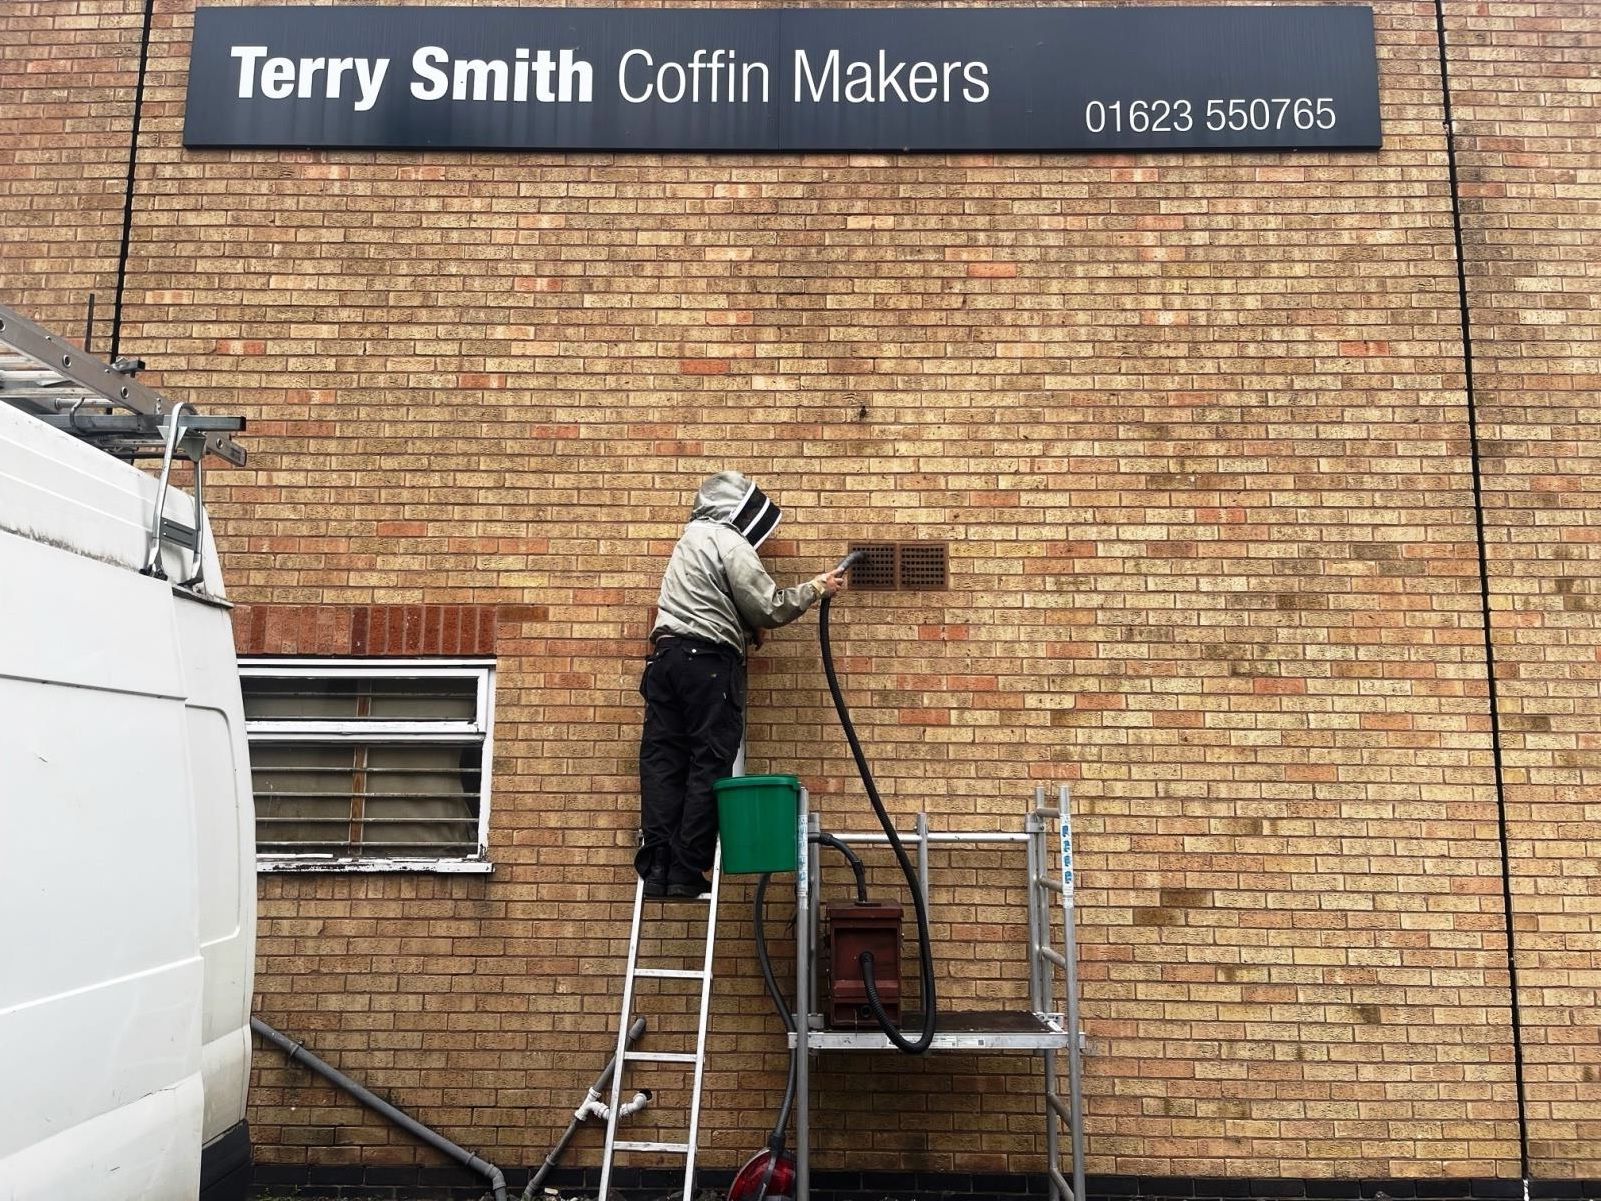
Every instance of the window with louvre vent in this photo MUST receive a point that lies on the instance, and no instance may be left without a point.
(368, 764)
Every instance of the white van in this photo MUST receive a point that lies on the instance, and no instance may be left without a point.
(127, 858)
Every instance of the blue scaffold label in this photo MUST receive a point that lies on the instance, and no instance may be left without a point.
(1067, 858)
(803, 865)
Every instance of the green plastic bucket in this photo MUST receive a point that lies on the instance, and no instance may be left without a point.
(758, 820)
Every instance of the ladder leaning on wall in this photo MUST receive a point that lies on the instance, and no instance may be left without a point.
(633, 973)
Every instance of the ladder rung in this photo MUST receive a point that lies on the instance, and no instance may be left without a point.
(669, 973)
(695, 1061)
(660, 1056)
(177, 533)
(629, 1145)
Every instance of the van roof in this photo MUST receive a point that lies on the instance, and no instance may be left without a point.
(74, 484)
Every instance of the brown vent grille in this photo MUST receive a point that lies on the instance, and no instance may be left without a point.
(922, 566)
(911, 566)
(875, 570)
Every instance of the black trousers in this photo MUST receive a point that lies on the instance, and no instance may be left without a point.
(694, 722)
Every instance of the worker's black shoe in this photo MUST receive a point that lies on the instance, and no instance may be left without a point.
(690, 885)
(656, 876)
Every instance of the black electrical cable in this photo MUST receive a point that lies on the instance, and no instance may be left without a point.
(1492, 679)
(925, 951)
(127, 199)
(775, 1141)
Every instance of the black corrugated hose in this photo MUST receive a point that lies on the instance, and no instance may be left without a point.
(775, 1141)
(925, 951)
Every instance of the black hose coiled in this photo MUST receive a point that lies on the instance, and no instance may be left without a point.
(925, 951)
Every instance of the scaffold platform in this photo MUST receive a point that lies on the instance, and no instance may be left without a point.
(1044, 1028)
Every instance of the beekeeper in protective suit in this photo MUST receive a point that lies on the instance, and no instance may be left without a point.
(716, 601)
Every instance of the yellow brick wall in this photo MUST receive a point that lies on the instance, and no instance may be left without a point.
(1194, 428)
(1526, 114)
(67, 80)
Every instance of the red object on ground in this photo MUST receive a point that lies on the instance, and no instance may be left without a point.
(748, 1180)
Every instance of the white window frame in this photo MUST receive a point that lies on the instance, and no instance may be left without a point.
(482, 726)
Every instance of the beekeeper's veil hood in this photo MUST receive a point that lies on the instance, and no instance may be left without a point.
(730, 498)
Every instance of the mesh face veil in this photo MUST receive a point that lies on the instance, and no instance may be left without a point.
(757, 516)
(733, 499)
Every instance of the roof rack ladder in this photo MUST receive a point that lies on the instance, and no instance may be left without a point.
(103, 406)
(159, 526)
(51, 379)
(197, 582)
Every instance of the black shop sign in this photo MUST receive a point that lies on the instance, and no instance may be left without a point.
(885, 79)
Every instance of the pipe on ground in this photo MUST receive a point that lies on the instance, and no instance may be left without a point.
(298, 1054)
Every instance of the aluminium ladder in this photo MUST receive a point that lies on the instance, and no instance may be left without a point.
(1062, 1114)
(673, 907)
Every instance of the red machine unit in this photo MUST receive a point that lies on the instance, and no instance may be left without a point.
(852, 929)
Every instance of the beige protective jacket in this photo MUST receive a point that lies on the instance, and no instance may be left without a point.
(715, 587)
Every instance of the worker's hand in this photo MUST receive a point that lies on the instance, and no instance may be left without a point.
(830, 582)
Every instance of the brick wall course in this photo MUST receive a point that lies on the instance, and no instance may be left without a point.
(68, 72)
(1194, 429)
(337, 631)
(1533, 256)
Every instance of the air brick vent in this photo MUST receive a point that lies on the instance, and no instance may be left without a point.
(875, 570)
(922, 566)
(901, 566)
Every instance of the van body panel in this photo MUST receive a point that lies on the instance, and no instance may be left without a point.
(136, 1152)
(225, 1065)
(79, 621)
(226, 837)
(83, 1055)
(127, 866)
(88, 832)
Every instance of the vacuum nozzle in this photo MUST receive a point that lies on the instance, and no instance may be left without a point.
(845, 563)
